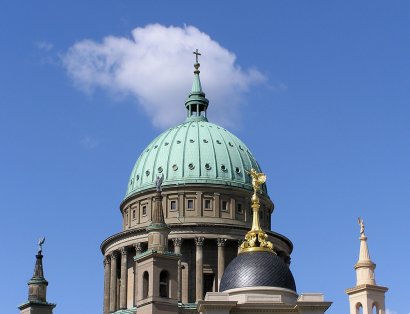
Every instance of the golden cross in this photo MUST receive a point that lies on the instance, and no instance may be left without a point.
(196, 53)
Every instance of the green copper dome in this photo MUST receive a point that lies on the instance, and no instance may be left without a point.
(194, 152)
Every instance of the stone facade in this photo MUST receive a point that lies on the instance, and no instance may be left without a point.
(192, 212)
(262, 300)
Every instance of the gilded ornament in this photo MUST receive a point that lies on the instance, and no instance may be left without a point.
(256, 239)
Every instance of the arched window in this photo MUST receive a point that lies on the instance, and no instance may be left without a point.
(359, 308)
(163, 284)
(375, 308)
(145, 284)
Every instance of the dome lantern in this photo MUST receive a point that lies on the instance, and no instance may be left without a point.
(196, 103)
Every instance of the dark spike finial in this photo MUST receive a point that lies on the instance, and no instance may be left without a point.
(40, 244)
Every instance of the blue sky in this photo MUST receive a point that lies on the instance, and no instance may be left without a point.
(318, 90)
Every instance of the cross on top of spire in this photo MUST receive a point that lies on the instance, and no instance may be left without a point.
(196, 53)
(196, 65)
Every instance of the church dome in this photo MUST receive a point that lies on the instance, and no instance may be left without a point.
(255, 269)
(194, 152)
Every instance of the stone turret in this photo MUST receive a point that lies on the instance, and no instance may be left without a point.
(157, 268)
(37, 289)
(158, 230)
(366, 295)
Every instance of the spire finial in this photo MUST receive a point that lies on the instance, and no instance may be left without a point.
(40, 244)
(256, 238)
(361, 224)
(197, 64)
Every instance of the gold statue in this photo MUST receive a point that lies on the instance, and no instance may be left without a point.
(256, 239)
(257, 180)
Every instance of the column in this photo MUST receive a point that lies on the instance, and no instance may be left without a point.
(107, 270)
(177, 245)
(123, 287)
(199, 268)
(232, 205)
(177, 250)
(181, 204)
(113, 282)
(138, 250)
(199, 202)
(221, 258)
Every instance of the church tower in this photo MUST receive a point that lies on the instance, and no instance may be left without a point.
(37, 289)
(157, 268)
(366, 296)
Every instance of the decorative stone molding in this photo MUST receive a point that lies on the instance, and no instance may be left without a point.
(138, 247)
(114, 255)
(221, 241)
(123, 250)
(107, 260)
(199, 241)
(177, 241)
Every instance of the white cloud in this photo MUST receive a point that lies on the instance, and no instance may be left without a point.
(388, 311)
(44, 45)
(155, 66)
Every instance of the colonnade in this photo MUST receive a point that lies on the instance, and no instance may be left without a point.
(115, 292)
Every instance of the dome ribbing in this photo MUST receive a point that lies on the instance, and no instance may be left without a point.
(194, 152)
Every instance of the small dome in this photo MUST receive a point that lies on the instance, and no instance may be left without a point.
(194, 152)
(252, 269)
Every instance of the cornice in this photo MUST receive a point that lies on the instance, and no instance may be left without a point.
(366, 287)
(142, 230)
